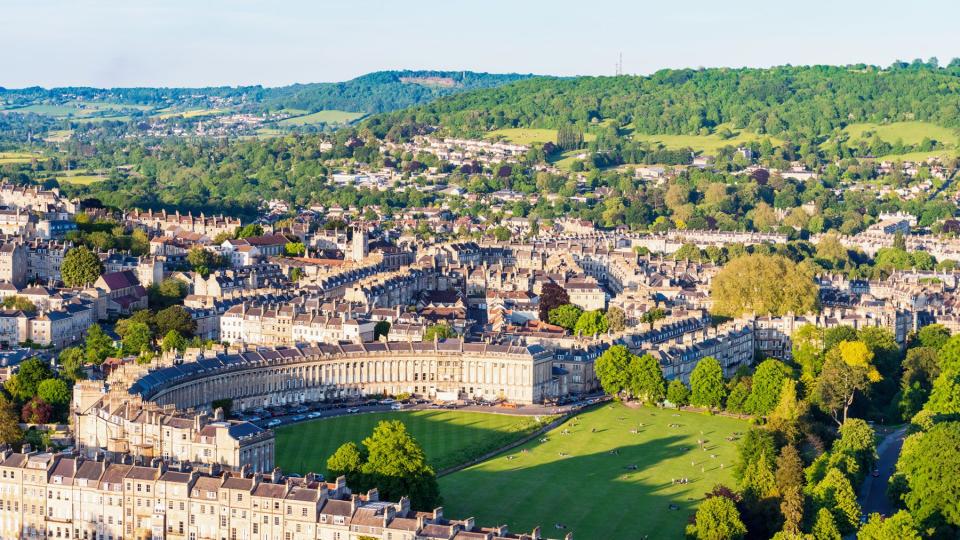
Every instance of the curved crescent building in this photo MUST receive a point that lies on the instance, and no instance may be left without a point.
(448, 369)
(166, 412)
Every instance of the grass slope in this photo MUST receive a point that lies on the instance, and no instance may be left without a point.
(323, 117)
(448, 437)
(590, 490)
(529, 136)
(909, 132)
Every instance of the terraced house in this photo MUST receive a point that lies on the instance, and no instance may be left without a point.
(47, 495)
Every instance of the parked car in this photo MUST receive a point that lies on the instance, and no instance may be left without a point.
(314, 415)
(299, 418)
(273, 423)
(396, 407)
(353, 410)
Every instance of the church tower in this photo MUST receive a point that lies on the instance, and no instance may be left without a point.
(359, 249)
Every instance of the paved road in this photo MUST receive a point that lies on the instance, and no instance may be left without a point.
(873, 492)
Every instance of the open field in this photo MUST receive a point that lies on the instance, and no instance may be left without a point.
(322, 117)
(908, 132)
(448, 437)
(708, 144)
(81, 179)
(18, 157)
(78, 110)
(190, 113)
(591, 490)
(528, 136)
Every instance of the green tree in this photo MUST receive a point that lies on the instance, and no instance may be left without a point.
(768, 379)
(20, 303)
(347, 461)
(174, 318)
(71, 362)
(763, 284)
(294, 249)
(646, 379)
(847, 370)
(652, 316)
(381, 329)
(249, 230)
(613, 369)
(678, 393)
(173, 341)
(930, 465)
(758, 481)
(137, 337)
(23, 385)
(807, 349)
(737, 400)
(397, 465)
(437, 331)
(757, 444)
(859, 440)
(9, 423)
(825, 527)
(565, 316)
(717, 518)
(80, 267)
(834, 493)
(616, 319)
(785, 417)
(900, 526)
(790, 482)
(706, 384)
(590, 323)
(934, 336)
(98, 345)
(54, 391)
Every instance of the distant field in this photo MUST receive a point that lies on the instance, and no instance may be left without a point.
(529, 136)
(708, 144)
(59, 135)
(908, 132)
(448, 437)
(81, 179)
(585, 479)
(566, 159)
(18, 157)
(191, 113)
(322, 117)
(78, 110)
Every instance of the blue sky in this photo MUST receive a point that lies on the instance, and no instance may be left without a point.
(276, 42)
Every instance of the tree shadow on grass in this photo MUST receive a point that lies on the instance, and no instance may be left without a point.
(595, 495)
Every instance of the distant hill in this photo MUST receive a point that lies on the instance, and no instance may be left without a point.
(801, 102)
(382, 91)
(372, 93)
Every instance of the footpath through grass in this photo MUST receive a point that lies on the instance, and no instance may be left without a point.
(585, 480)
(448, 437)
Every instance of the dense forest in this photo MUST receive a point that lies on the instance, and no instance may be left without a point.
(805, 101)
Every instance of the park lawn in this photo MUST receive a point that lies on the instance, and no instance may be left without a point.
(590, 490)
(448, 438)
(59, 135)
(330, 116)
(908, 132)
(528, 136)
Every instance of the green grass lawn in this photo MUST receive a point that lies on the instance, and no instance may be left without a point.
(448, 437)
(529, 136)
(591, 490)
(322, 117)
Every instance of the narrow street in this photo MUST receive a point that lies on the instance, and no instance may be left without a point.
(873, 492)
